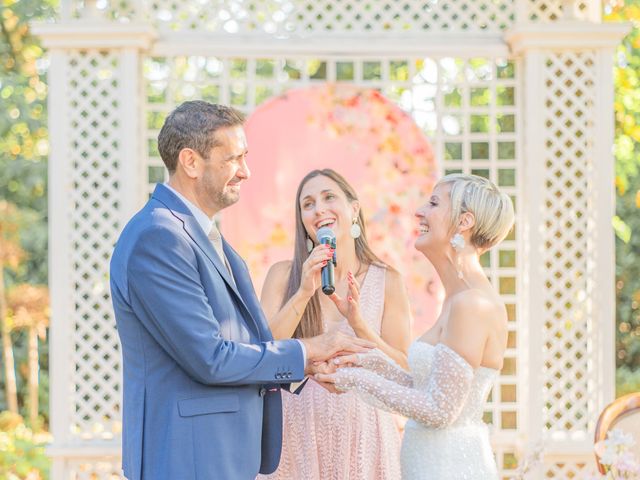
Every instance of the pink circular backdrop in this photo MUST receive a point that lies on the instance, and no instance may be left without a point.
(370, 141)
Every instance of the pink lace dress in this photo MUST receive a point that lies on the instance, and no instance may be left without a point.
(340, 437)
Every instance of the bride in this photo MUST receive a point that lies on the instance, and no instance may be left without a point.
(453, 366)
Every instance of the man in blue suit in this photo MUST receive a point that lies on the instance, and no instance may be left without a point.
(202, 373)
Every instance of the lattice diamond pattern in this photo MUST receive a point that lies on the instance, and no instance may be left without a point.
(325, 17)
(569, 470)
(95, 129)
(402, 16)
(568, 243)
(552, 10)
(303, 17)
(95, 469)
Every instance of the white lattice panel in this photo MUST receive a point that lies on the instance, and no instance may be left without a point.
(304, 17)
(103, 468)
(95, 131)
(569, 245)
(569, 469)
(553, 10)
(467, 106)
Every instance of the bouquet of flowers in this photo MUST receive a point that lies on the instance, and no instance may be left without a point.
(618, 462)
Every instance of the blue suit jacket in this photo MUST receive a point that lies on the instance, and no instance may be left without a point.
(201, 369)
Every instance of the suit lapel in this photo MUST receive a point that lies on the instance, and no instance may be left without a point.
(246, 290)
(193, 229)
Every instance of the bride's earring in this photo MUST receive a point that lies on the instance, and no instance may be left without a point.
(309, 244)
(458, 244)
(355, 229)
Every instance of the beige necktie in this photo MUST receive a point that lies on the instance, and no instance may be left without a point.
(216, 240)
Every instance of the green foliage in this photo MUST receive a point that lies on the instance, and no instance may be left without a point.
(627, 221)
(24, 149)
(23, 128)
(21, 450)
(20, 351)
(627, 380)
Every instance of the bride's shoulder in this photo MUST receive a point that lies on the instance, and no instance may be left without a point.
(473, 317)
(474, 303)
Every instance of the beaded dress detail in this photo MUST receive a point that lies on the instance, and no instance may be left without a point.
(444, 399)
(327, 436)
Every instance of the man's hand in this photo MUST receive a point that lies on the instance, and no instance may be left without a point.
(323, 368)
(319, 367)
(325, 346)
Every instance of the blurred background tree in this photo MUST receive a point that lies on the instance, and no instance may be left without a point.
(23, 183)
(627, 220)
(11, 254)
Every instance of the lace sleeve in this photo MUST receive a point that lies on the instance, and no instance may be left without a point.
(436, 405)
(383, 365)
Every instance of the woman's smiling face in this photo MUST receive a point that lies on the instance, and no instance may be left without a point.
(435, 221)
(323, 204)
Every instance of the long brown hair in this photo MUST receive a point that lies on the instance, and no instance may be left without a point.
(311, 322)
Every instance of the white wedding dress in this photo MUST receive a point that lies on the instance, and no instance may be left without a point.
(444, 399)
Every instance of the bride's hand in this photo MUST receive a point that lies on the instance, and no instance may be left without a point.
(350, 307)
(310, 275)
(325, 368)
(348, 360)
(342, 380)
(325, 378)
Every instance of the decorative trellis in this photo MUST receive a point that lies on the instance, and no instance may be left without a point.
(302, 17)
(94, 100)
(568, 469)
(569, 328)
(534, 119)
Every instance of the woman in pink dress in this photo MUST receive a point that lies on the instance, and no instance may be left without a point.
(330, 436)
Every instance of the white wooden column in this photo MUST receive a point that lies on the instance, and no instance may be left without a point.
(96, 182)
(568, 203)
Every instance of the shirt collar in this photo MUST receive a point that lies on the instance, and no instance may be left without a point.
(203, 220)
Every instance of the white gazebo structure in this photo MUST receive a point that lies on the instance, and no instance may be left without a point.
(518, 90)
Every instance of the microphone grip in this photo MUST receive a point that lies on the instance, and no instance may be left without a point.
(328, 279)
(327, 273)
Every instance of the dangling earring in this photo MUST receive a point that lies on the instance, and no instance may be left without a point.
(458, 244)
(309, 244)
(355, 230)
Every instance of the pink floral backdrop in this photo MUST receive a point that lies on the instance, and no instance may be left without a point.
(370, 141)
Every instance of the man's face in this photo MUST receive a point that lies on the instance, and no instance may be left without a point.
(224, 169)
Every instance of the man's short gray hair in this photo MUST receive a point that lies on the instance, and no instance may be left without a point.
(192, 125)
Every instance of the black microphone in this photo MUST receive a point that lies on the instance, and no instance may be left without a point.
(326, 236)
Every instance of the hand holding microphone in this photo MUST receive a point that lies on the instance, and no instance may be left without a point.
(310, 276)
(325, 236)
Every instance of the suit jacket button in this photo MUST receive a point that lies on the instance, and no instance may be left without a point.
(262, 392)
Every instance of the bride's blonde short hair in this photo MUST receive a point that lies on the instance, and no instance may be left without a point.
(492, 208)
